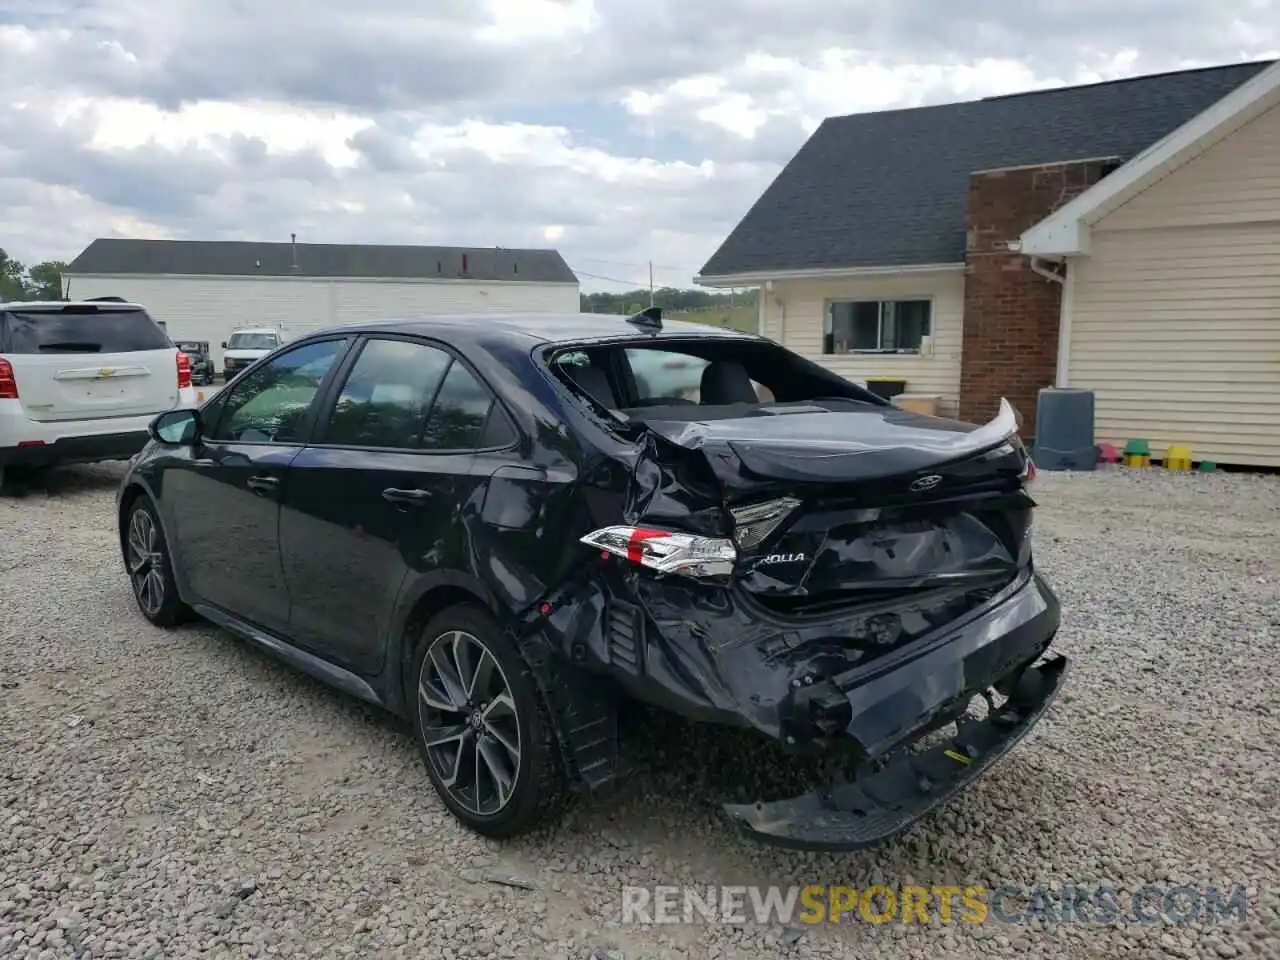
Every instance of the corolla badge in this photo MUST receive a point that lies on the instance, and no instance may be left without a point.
(105, 372)
(781, 558)
(925, 483)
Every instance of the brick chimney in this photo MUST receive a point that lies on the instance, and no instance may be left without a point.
(1010, 345)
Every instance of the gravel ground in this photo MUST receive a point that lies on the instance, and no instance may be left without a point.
(178, 794)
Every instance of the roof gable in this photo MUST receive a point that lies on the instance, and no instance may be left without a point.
(229, 258)
(1066, 231)
(889, 188)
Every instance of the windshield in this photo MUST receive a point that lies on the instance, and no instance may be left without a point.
(253, 341)
(80, 329)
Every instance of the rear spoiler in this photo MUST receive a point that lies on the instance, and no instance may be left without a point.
(996, 431)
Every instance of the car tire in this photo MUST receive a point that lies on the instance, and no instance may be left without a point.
(150, 567)
(488, 745)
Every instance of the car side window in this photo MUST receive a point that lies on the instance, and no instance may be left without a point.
(459, 413)
(270, 405)
(384, 401)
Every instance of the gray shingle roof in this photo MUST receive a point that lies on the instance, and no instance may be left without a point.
(332, 260)
(890, 188)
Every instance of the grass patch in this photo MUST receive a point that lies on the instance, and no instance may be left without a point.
(739, 318)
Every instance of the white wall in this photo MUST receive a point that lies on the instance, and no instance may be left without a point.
(793, 315)
(209, 308)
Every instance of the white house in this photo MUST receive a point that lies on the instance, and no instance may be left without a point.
(1121, 237)
(203, 290)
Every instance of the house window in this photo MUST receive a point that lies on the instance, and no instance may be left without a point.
(876, 326)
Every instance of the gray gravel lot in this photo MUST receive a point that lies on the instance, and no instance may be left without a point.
(178, 794)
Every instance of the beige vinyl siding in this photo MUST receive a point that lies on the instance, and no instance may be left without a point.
(1237, 180)
(794, 315)
(1178, 333)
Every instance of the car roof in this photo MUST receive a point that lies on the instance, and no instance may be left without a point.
(254, 330)
(52, 306)
(537, 328)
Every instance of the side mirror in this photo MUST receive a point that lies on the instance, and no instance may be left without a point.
(224, 344)
(176, 427)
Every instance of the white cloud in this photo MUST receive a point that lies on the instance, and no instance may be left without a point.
(116, 124)
(524, 21)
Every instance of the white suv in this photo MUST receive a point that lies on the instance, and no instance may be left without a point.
(80, 381)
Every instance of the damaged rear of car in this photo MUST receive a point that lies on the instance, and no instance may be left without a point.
(773, 547)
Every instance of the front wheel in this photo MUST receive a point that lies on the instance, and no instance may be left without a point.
(147, 559)
(482, 728)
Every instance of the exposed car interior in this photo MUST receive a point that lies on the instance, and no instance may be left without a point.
(724, 380)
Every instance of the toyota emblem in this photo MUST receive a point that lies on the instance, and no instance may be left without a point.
(926, 483)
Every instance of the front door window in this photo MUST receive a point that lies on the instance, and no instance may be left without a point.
(270, 405)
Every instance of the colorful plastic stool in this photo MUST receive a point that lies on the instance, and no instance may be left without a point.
(1207, 466)
(1177, 458)
(1137, 453)
(1107, 453)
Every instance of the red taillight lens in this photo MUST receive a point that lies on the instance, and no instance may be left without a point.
(8, 383)
(184, 370)
(1029, 473)
(665, 551)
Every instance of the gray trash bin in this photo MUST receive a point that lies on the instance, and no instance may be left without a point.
(1064, 430)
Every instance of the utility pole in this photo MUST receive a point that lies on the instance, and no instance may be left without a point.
(651, 283)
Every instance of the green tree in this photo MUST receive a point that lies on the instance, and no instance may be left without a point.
(672, 299)
(44, 280)
(12, 278)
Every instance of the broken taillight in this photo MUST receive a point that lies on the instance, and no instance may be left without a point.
(666, 551)
(753, 524)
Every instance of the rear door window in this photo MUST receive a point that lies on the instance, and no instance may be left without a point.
(460, 412)
(76, 330)
(386, 396)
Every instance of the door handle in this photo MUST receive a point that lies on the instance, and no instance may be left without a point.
(405, 498)
(263, 485)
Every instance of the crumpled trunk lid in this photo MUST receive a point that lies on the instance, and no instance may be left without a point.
(873, 504)
(812, 444)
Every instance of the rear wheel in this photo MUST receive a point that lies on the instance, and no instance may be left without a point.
(483, 731)
(146, 557)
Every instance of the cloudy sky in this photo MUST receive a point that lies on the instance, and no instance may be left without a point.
(619, 131)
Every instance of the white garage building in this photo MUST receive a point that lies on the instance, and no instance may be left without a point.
(203, 290)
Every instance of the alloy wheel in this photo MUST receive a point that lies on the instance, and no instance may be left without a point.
(469, 723)
(146, 562)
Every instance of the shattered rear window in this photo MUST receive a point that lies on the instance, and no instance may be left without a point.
(647, 380)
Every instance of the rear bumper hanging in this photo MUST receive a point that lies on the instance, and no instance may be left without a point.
(879, 805)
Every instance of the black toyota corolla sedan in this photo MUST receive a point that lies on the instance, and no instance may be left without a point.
(489, 526)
